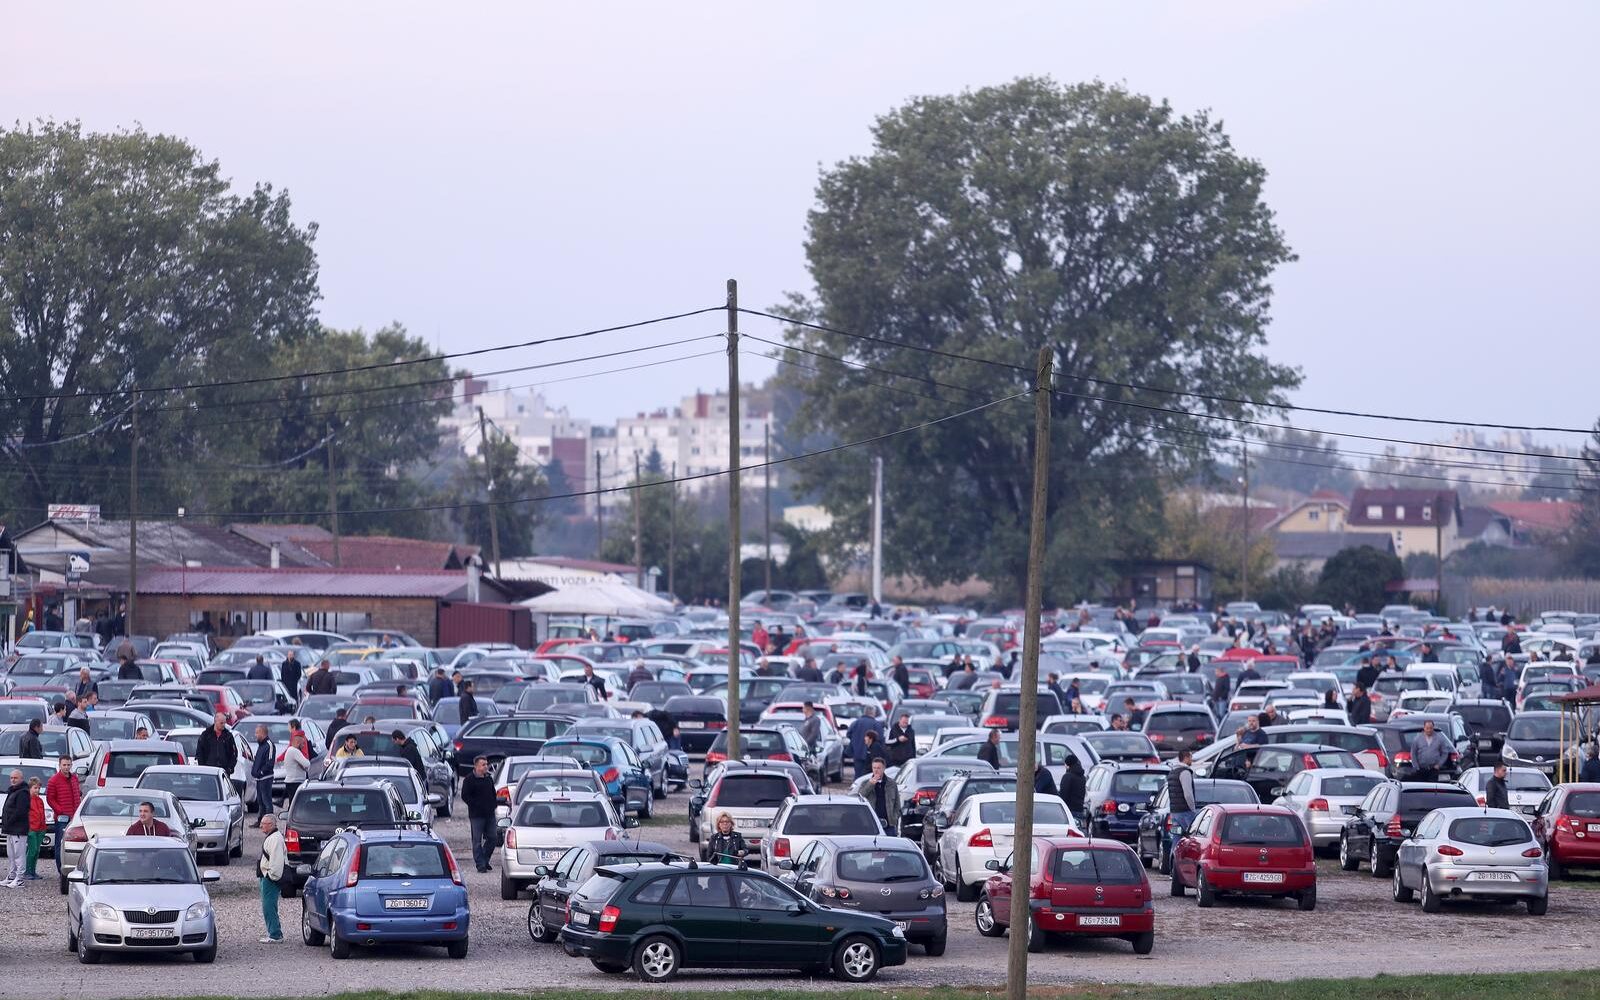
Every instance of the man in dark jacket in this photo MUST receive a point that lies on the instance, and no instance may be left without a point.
(405, 748)
(259, 671)
(1072, 787)
(477, 793)
(1044, 783)
(901, 744)
(322, 680)
(990, 751)
(439, 687)
(14, 825)
(129, 670)
(261, 771)
(1360, 707)
(1496, 793)
(1220, 689)
(1367, 673)
(289, 673)
(902, 675)
(216, 747)
(30, 748)
(808, 672)
(341, 718)
(467, 704)
(1591, 764)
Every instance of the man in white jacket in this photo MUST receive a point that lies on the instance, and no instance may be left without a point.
(269, 870)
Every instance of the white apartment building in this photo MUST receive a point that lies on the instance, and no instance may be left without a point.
(692, 435)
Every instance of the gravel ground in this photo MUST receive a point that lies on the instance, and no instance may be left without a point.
(1356, 930)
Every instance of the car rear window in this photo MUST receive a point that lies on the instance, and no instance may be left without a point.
(882, 866)
(384, 710)
(1137, 782)
(832, 819)
(537, 698)
(1109, 743)
(1266, 829)
(1096, 867)
(753, 743)
(1484, 718)
(584, 753)
(1354, 785)
(1044, 811)
(1011, 704)
(559, 815)
(343, 805)
(1427, 800)
(1392, 685)
(1490, 831)
(1585, 804)
(131, 764)
(602, 887)
(751, 791)
(186, 786)
(983, 786)
(1225, 792)
(419, 860)
(1171, 722)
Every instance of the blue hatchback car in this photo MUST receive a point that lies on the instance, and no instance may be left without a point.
(384, 886)
(619, 768)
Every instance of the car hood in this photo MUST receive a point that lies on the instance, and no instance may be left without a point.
(214, 813)
(141, 897)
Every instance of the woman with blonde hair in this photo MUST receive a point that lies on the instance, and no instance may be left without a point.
(727, 846)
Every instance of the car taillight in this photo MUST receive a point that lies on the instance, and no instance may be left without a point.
(1563, 824)
(181, 759)
(1533, 852)
(291, 839)
(503, 794)
(1108, 807)
(782, 756)
(925, 795)
(1308, 761)
(76, 834)
(1152, 760)
(1383, 758)
(1455, 758)
(1482, 801)
(105, 763)
(1374, 696)
(995, 722)
(355, 868)
(608, 919)
(511, 838)
(716, 724)
(1203, 738)
(1393, 830)
(715, 757)
(832, 891)
(1318, 805)
(611, 833)
(458, 746)
(1157, 737)
(455, 872)
(983, 838)
(780, 847)
(611, 774)
(1402, 757)
(1449, 851)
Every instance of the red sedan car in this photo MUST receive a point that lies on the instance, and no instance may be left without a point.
(225, 700)
(1567, 825)
(1252, 850)
(1077, 886)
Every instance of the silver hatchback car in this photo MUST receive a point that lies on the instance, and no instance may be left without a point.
(1472, 853)
(133, 894)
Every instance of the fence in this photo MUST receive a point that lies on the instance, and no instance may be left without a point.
(1523, 598)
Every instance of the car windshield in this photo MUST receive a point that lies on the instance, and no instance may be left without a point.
(1490, 831)
(326, 807)
(1544, 729)
(881, 866)
(188, 787)
(832, 820)
(407, 789)
(1262, 828)
(752, 791)
(1427, 800)
(537, 699)
(404, 860)
(535, 783)
(1137, 782)
(1485, 718)
(755, 744)
(143, 865)
(104, 728)
(1010, 703)
(1527, 781)
(561, 815)
(1097, 867)
(22, 712)
(589, 754)
(122, 805)
(1349, 785)
(1006, 812)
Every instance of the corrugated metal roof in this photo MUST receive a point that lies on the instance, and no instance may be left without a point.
(302, 582)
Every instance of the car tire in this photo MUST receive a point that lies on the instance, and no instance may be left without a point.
(1148, 863)
(309, 934)
(86, 954)
(1347, 860)
(1145, 943)
(338, 947)
(965, 893)
(72, 940)
(1557, 870)
(1402, 893)
(856, 960)
(508, 886)
(609, 968)
(657, 959)
(1381, 866)
(537, 928)
(205, 956)
(456, 949)
(983, 918)
(1203, 893)
(649, 810)
(1538, 905)
(934, 946)
(1431, 903)
(1175, 886)
(237, 852)
(1307, 899)
(61, 883)
(694, 833)
(1037, 938)
(1165, 866)
(223, 858)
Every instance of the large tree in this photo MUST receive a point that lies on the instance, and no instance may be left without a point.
(1582, 544)
(1131, 239)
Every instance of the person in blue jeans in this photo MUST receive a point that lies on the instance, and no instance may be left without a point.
(269, 872)
(1181, 802)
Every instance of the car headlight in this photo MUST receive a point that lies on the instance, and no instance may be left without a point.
(198, 911)
(896, 931)
(1510, 752)
(101, 911)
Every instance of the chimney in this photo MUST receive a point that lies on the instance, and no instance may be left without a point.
(473, 574)
(277, 556)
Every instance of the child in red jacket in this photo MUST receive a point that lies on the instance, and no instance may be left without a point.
(36, 827)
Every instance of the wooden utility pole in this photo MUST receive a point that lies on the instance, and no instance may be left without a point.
(1027, 723)
(766, 497)
(1438, 549)
(638, 524)
(133, 522)
(733, 519)
(672, 533)
(599, 512)
(1244, 552)
(489, 507)
(333, 499)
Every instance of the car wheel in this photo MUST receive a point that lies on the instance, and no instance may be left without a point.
(964, 893)
(856, 960)
(694, 832)
(934, 946)
(609, 968)
(1307, 899)
(649, 810)
(338, 947)
(1036, 937)
(1430, 900)
(1175, 886)
(456, 949)
(308, 931)
(983, 917)
(1144, 944)
(238, 850)
(86, 954)
(1402, 894)
(508, 887)
(1204, 895)
(1382, 866)
(1557, 870)
(1537, 905)
(1165, 867)
(223, 858)
(537, 929)
(205, 956)
(61, 883)
(1347, 860)
(656, 960)
(72, 940)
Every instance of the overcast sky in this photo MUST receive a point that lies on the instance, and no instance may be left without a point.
(484, 178)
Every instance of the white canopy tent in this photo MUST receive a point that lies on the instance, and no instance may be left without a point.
(600, 599)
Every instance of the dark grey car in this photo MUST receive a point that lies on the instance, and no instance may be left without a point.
(886, 876)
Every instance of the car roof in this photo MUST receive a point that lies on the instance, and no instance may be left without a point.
(215, 772)
(824, 798)
(1464, 812)
(142, 843)
(1251, 807)
(576, 795)
(159, 746)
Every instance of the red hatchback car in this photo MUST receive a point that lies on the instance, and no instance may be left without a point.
(1087, 887)
(1254, 850)
(1567, 826)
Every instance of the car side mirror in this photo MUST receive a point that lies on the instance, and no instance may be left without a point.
(80, 768)
(210, 876)
(303, 871)
(630, 822)
(1275, 791)
(941, 822)
(992, 865)
(77, 875)
(696, 784)
(541, 871)
(786, 865)
(697, 802)
(433, 799)
(195, 824)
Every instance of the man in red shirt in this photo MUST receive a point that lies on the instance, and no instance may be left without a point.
(63, 793)
(147, 825)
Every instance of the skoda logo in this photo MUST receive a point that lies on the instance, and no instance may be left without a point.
(1491, 850)
(150, 910)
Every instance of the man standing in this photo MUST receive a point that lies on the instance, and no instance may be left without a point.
(965, 679)
(477, 791)
(1073, 787)
(1220, 688)
(63, 793)
(881, 793)
(289, 673)
(467, 707)
(810, 726)
(405, 748)
(341, 718)
(902, 742)
(261, 767)
(29, 747)
(989, 753)
(439, 686)
(1496, 793)
(1591, 765)
(808, 672)
(1430, 751)
(14, 825)
(902, 675)
(269, 872)
(259, 671)
(322, 680)
(1360, 706)
(595, 681)
(1181, 801)
(866, 723)
(216, 747)
(85, 684)
(1044, 783)
(79, 716)
(1252, 735)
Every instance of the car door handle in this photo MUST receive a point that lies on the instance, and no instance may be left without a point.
(753, 919)
(675, 914)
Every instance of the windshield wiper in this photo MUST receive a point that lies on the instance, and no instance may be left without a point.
(901, 878)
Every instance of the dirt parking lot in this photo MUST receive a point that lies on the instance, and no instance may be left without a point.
(1356, 930)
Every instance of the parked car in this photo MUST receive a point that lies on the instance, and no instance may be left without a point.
(1174, 726)
(957, 789)
(555, 884)
(209, 800)
(118, 763)
(802, 818)
(137, 895)
(1269, 769)
(619, 768)
(645, 738)
(1157, 834)
(1260, 850)
(545, 824)
(498, 738)
(1526, 787)
(750, 793)
(1325, 798)
(1122, 746)
(1115, 797)
(421, 807)
(918, 783)
(1567, 825)
(108, 812)
(1079, 887)
(1401, 732)
(1534, 740)
(1486, 720)
(383, 886)
(1472, 853)
(57, 741)
(1388, 815)
(883, 875)
(981, 831)
(659, 919)
(321, 810)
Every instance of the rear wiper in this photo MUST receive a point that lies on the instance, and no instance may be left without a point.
(902, 878)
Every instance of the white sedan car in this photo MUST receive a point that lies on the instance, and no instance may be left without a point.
(982, 830)
(1525, 786)
(545, 824)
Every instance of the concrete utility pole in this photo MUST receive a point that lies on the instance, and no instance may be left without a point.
(877, 529)
(766, 496)
(489, 508)
(1027, 723)
(599, 512)
(733, 519)
(672, 532)
(638, 524)
(133, 522)
(1438, 549)
(1244, 553)
(333, 499)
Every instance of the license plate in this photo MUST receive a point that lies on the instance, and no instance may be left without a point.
(1486, 744)
(551, 855)
(1348, 810)
(405, 904)
(580, 918)
(1270, 878)
(1110, 921)
(1491, 877)
(151, 933)
(691, 725)
(754, 824)
(1594, 827)
(903, 924)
